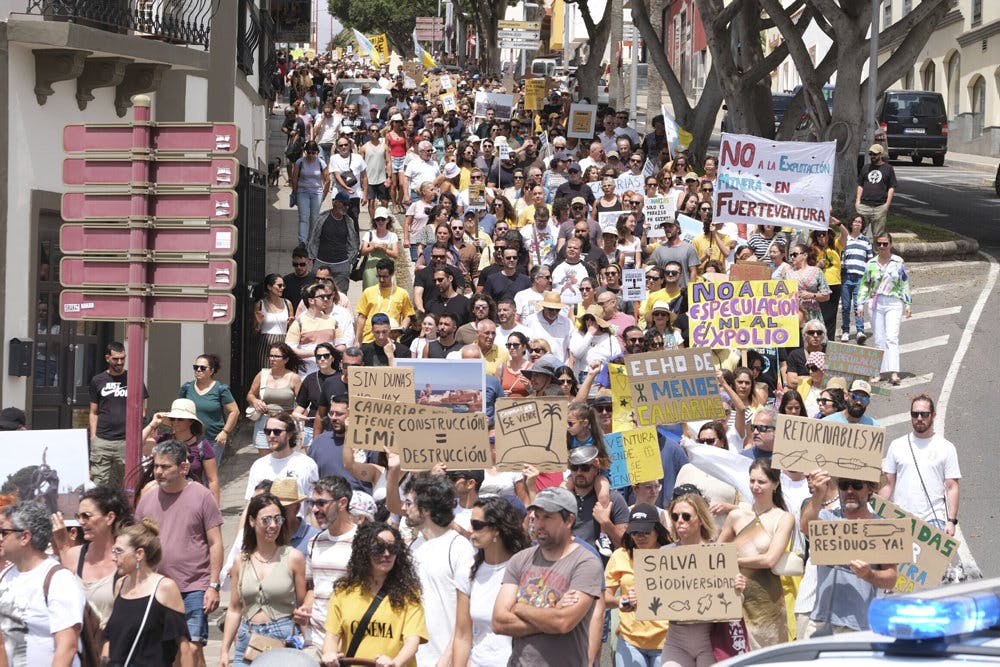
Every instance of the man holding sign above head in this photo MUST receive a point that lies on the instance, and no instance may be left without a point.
(672, 248)
(844, 591)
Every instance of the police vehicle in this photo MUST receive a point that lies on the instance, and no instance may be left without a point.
(958, 623)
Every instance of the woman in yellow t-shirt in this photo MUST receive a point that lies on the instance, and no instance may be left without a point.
(827, 251)
(380, 562)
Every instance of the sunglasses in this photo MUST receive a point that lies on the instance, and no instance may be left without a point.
(322, 356)
(602, 408)
(676, 516)
(274, 431)
(318, 502)
(844, 485)
(476, 524)
(824, 401)
(707, 441)
(813, 368)
(380, 319)
(512, 346)
(795, 254)
(920, 414)
(813, 332)
(761, 428)
(379, 547)
(671, 273)
(583, 467)
(199, 367)
(861, 398)
(883, 244)
(299, 264)
(537, 350)
(325, 297)
(268, 521)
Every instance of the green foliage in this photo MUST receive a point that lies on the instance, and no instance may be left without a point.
(20, 478)
(376, 16)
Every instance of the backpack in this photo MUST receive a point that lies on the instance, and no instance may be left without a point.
(91, 635)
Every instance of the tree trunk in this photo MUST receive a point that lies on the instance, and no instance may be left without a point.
(616, 86)
(654, 81)
(588, 74)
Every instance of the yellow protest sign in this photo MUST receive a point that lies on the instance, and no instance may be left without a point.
(621, 398)
(381, 44)
(743, 314)
(635, 457)
(534, 94)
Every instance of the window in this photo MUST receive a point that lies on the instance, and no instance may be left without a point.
(978, 95)
(977, 12)
(907, 7)
(953, 68)
(886, 12)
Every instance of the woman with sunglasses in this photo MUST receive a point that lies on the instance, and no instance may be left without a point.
(592, 341)
(269, 578)
(639, 642)
(566, 382)
(761, 533)
(277, 386)
(516, 191)
(513, 382)
(272, 314)
(724, 496)
(310, 182)
(776, 256)
(831, 401)
(503, 211)
(811, 386)
(102, 513)
(184, 426)
(497, 534)
(608, 202)
(537, 348)
(310, 395)
(813, 289)
(214, 402)
(827, 251)
(887, 285)
(688, 644)
(379, 243)
(380, 564)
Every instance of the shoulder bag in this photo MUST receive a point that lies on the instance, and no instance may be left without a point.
(142, 625)
(362, 628)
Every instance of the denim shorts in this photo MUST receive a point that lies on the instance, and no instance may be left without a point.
(280, 629)
(197, 619)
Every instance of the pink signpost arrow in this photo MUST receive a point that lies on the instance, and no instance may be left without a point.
(164, 137)
(212, 205)
(220, 172)
(213, 275)
(113, 306)
(214, 240)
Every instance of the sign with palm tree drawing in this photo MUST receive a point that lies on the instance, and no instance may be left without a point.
(531, 431)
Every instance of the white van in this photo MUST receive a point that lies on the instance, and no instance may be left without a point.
(542, 67)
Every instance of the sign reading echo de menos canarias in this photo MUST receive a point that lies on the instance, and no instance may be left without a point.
(767, 182)
(743, 314)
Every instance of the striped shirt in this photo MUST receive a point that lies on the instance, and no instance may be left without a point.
(856, 255)
(325, 564)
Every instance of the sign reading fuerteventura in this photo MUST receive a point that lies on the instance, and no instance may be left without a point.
(767, 182)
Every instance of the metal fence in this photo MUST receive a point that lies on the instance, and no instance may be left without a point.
(181, 21)
(251, 251)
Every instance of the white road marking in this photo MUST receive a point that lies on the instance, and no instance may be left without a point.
(926, 212)
(912, 381)
(963, 343)
(910, 198)
(924, 344)
(942, 288)
(936, 313)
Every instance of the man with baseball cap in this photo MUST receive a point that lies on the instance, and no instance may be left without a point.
(858, 399)
(593, 519)
(876, 186)
(574, 186)
(536, 581)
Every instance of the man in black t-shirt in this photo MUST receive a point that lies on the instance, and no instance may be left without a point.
(108, 395)
(447, 299)
(876, 186)
(424, 288)
(446, 342)
(574, 187)
(301, 276)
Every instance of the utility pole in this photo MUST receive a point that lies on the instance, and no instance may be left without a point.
(616, 93)
(872, 75)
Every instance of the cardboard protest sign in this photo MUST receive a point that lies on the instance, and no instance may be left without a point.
(621, 398)
(635, 457)
(389, 383)
(434, 85)
(858, 360)
(629, 181)
(933, 549)
(608, 221)
(767, 182)
(534, 94)
(744, 314)
(634, 284)
(854, 451)
(696, 583)
(751, 271)
(448, 102)
(372, 424)
(477, 195)
(659, 210)
(501, 103)
(50, 467)
(673, 386)
(445, 81)
(459, 440)
(582, 121)
(875, 541)
(531, 430)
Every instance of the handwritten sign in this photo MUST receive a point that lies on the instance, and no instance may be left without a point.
(608, 221)
(460, 440)
(857, 360)
(582, 121)
(744, 314)
(629, 181)
(372, 424)
(531, 430)
(696, 583)
(767, 182)
(389, 383)
(659, 210)
(933, 549)
(534, 94)
(448, 101)
(446, 82)
(635, 457)
(673, 386)
(634, 284)
(854, 451)
(621, 398)
(751, 271)
(874, 541)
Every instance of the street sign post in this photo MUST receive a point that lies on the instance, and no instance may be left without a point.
(221, 138)
(213, 275)
(114, 306)
(430, 28)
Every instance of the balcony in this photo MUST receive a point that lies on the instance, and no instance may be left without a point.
(173, 21)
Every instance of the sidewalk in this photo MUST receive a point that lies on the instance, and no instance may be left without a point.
(983, 163)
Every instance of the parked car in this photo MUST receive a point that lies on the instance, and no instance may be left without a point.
(343, 84)
(779, 105)
(915, 123)
(376, 96)
(996, 183)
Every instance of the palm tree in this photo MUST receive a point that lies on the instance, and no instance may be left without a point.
(552, 411)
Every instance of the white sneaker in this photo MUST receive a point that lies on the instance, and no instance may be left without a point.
(844, 337)
(604, 545)
(862, 338)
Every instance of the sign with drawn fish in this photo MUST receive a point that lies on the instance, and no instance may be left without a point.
(696, 583)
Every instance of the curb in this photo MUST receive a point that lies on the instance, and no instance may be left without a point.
(988, 169)
(961, 247)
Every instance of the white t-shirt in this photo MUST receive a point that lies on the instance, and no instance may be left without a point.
(440, 562)
(557, 333)
(419, 171)
(27, 624)
(525, 301)
(356, 164)
(488, 649)
(566, 280)
(500, 483)
(326, 562)
(938, 462)
(298, 466)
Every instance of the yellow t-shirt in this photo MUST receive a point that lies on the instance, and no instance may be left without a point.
(527, 216)
(396, 304)
(492, 359)
(643, 634)
(651, 299)
(386, 630)
(703, 244)
(832, 270)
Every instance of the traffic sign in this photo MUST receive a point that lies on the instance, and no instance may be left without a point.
(219, 172)
(213, 275)
(423, 20)
(104, 306)
(526, 44)
(166, 137)
(213, 205)
(211, 240)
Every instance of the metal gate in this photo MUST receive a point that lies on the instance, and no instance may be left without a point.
(250, 255)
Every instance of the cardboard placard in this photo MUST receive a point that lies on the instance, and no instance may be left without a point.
(629, 181)
(856, 360)
(371, 425)
(635, 457)
(446, 82)
(448, 102)
(460, 440)
(744, 314)
(582, 121)
(750, 271)
(389, 383)
(875, 541)
(608, 220)
(853, 451)
(696, 583)
(534, 94)
(673, 386)
(434, 85)
(621, 398)
(933, 549)
(634, 284)
(531, 430)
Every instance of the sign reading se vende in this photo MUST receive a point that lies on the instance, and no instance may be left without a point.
(743, 314)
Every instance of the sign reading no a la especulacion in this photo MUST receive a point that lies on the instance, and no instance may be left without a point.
(768, 182)
(743, 314)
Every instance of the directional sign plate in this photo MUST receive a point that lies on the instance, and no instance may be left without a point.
(214, 275)
(533, 26)
(173, 137)
(210, 240)
(215, 205)
(113, 306)
(220, 172)
(518, 44)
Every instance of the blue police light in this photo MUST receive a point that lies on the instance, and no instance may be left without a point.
(933, 617)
